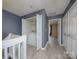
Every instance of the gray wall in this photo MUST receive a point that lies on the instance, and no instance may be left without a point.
(44, 30)
(10, 24)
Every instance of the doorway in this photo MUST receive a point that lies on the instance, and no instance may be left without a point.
(33, 26)
(29, 29)
(55, 30)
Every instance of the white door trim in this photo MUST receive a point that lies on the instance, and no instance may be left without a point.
(59, 32)
(39, 31)
(59, 37)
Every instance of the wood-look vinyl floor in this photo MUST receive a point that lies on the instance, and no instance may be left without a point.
(52, 51)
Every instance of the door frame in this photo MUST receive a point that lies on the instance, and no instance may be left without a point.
(59, 36)
(38, 30)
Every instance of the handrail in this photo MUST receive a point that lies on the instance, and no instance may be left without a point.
(12, 43)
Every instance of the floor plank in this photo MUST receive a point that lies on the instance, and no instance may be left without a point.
(52, 51)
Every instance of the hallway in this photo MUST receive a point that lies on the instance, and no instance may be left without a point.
(52, 51)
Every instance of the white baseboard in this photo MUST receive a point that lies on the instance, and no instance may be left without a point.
(45, 46)
(71, 54)
(61, 45)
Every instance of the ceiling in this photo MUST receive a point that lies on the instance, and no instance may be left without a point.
(52, 21)
(23, 7)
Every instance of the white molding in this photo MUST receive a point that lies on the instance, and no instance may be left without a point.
(71, 54)
(61, 45)
(45, 46)
(39, 31)
(59, 32)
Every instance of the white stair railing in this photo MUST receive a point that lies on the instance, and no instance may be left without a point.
(11, 43)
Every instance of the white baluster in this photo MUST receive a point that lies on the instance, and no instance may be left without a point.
(19, 51)
(5, 53)
(13, 50)
(24, 50)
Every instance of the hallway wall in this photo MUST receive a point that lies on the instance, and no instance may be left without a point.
(70, 31)
(44, 30)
